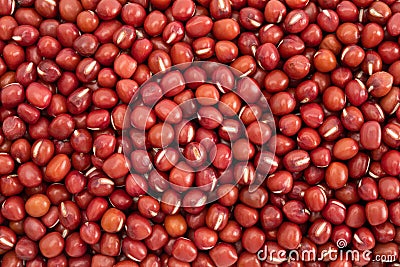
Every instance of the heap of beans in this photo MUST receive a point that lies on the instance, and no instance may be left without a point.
(69, 70)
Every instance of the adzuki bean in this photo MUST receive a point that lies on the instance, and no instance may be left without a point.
(295, 147)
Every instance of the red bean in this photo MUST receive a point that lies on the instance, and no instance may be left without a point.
(315, 198)
(58, 168)
(389, 188)
(226, 29)
(139, 228)
(367, 189)
(372, 131)
(289, 235)
(223, 255)
(184, 250)
(390, 162)
(245, 215)
(379, 84)
(51, 245)
(295, 211)
(69, 159)
(334, 98)
(134, 249)
(267, 56)
(363, 239)
(334, 212)
(8, 238)
(296, 21)
(112, 220)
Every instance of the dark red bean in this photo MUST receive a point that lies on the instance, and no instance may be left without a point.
(274, 11)
(320, 231)
(296, 21)
(224, 255)
(315, 198)
(51, 245)
(296, 211)
(289, 235)
(70, 71)
(390, 162)
(371, 130)
(267, 56)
